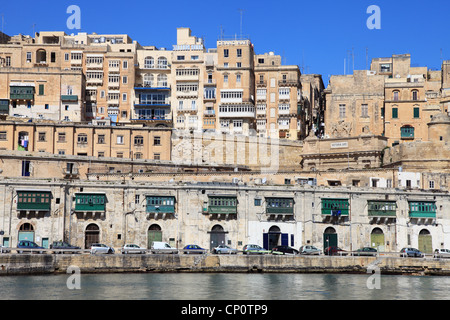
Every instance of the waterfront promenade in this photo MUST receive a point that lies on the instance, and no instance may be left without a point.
(15, 264)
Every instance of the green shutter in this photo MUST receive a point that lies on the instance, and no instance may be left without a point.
(41, 89)
(416, 112)
(394, 113)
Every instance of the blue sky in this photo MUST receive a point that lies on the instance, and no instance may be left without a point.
(316, 35)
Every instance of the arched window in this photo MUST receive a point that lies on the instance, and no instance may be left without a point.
(162, 63)
(149, 63)
(148, 80)
(415, 95)
(41, 56)
(82, 138)
(162, 80)
(396, 95)
(26, 227)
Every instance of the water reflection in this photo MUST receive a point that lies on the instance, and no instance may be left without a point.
(224, 287)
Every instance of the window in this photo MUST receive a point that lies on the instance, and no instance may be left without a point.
(156, 156)
(41, 89)
(416, 112)
(225, 78)
(101, 139)
(138, 140)
(125, 80)
(41, 137)
(61, 137)
(394, 113)
(149, 63)
(415, 95)
(180, 58)
(66, 57)
(124, 97)
(120, 140)
(431, 184)
(53, 57)
(3, 136)
(364, 111)
(396, 95)
(239, 53)
(125, 64)
(342, 111)
(225, 53)
(257, 202)
(157, 141)
(82, 138)
(238, 78)
(29, 56)
(407, 132)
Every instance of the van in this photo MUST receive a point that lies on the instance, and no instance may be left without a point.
(162, 247)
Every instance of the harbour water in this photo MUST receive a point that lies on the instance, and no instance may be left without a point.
(215, 286)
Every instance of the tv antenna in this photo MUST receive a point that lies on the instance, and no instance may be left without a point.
(241, 12)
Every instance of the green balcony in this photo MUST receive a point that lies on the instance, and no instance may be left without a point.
(92, 202)
(222, 205)
(335, 207)
(160, 204)
(382, 208)
(69, 98)
(34, 200)
(21, 93)
(281, 206)
(422, 209)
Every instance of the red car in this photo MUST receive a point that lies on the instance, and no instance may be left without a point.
(334, 251)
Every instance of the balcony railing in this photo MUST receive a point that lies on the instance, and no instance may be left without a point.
(237, 111)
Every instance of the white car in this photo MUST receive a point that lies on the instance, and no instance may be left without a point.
(132, 248)
(101, 248)
(442, 253)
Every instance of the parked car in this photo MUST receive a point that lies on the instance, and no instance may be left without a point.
(223, 249)
(193, 248)
(309, 250)
(62, 247)
(334, 251)
(254, 249)
(28, 246)
(101, 248)
(284, 250)
(366, 251)
(162, 247)
(132, 248)
(411, 252)
(442, 253)
(4, 249)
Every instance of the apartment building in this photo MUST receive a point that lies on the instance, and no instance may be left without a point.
(393, 99)
(278, 98)
(70, 78)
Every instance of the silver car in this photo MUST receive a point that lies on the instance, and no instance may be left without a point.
(224, 249)
(309, 250)
(101, 248)
(442, 253)
(132, 248)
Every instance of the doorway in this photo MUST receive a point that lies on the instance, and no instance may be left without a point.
(425, 241)
(91, 235)
(26, 232)
(154, 234)
(330, 238)
(377, 239)
(216, 236)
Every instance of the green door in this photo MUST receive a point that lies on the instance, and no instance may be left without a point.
(45, 243)
(330, 240)
(425, 242)
(377, 241)
(154, 234)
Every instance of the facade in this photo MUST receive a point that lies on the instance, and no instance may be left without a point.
(392, 99)
(208, 215)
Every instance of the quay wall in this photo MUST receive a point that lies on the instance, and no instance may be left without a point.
(14, 264)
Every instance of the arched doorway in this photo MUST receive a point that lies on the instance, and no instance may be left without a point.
(26, 232)
(330, 238)
(91, 235)
(425, 241)
(154, 234)
(216, 236)
(274, 238)
(377, 239)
